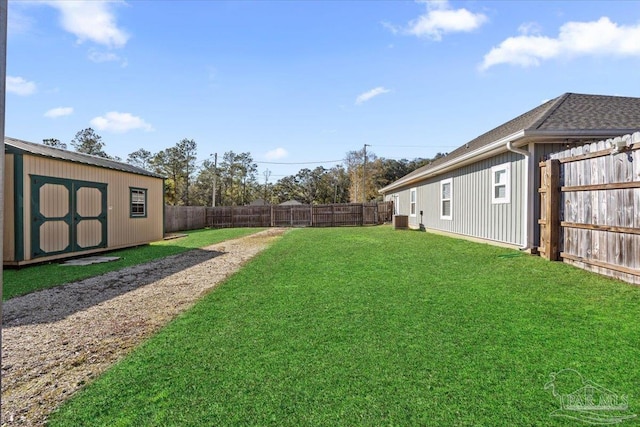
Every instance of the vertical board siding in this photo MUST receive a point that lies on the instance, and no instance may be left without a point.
(473, 213)
(89, 201)
(54, 236)
(89, 233)
(54, 200)
(122, 230)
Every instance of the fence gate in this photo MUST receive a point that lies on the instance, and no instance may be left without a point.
(67, 215)
(590, 207)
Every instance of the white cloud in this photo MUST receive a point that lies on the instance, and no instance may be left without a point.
(364, 97)
(20, 86)
(529, 28)
(117, 122)
(394, 29)
(276, 154)
(595, 38)
(59, 112)
(525, 51)
(91, 20)
(441, 19)
(98, 57)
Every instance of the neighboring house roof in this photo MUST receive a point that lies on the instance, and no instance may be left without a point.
(290, 202)
(570, 115)
(259, 202)
(16, 145)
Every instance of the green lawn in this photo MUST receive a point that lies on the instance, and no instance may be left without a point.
(29, 279)
(371, 326)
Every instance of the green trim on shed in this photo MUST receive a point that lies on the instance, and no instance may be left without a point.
(38, 219)
(146, 206)
(18, 206)
(72, 218)
(102, 217)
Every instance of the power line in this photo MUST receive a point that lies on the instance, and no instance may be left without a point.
(414, 146)
(300, 163)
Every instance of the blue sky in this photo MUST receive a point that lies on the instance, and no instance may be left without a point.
(305, 81)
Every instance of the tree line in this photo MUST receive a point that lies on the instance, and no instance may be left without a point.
(233, 178)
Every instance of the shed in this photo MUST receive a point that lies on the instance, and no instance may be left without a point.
(60, 203)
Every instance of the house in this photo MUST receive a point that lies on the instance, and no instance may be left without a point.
(488, 188)
(291, 203)
(60, 203)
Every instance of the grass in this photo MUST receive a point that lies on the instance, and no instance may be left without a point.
(29, 279)
(371, 326)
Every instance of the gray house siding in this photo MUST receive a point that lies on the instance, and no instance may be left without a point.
(522, 142)
(472, 211)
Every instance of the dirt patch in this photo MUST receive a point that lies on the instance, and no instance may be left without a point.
(55, 341)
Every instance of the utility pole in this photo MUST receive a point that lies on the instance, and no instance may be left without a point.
(215, 174)
(364, 174)
(267, 174)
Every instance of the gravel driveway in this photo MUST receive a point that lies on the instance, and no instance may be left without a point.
(56, 340)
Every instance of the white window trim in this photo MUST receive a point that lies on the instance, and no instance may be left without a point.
(507, 184)
(442, 184)
(413, 192)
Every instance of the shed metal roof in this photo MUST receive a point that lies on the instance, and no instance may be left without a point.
(569, 115)
(17, 145)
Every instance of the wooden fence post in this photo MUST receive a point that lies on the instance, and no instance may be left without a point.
(333, 215)
(552, 210)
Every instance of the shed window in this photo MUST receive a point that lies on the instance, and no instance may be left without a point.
(412, 202)
(500, 183)
(138, 205)
(445, 199)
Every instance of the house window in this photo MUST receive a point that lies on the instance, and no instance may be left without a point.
(412, 202)
(500, 183)
(138, 202)
(445, 199)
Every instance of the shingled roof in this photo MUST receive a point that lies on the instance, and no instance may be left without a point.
(17, 145)
(570, 114)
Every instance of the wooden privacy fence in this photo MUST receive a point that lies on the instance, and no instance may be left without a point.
(590, 207)
(180, 218)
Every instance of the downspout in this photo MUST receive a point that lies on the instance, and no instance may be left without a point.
(525, 194)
